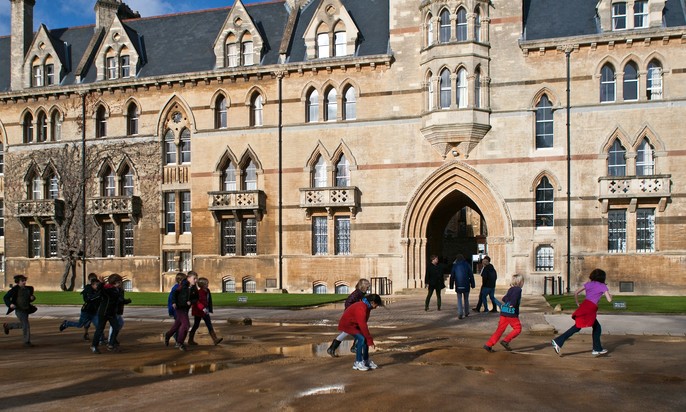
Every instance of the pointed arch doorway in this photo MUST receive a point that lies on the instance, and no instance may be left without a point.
(453, 189)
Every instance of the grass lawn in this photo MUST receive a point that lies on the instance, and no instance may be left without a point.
(634, 304)
(266, 300)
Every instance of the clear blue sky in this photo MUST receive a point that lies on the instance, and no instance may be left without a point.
(68, 13)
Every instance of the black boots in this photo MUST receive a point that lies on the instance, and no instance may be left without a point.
(332, 349)
(215, 339)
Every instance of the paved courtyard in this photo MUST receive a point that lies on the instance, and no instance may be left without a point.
(427, 361)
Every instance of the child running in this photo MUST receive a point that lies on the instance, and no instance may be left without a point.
(107, 312)
(201, 311)
(89, 309)
(509, 315)
(586, 314)
(18, 299)
(184, 297)
(354, 322)
(360, 291)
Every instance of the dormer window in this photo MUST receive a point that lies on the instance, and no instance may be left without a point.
(125, 66)
(331, 32)
(37, 76)
(232, 52)
(619, 16)
(340, 48)
(247, 50)
(323, 43)
(112, 68)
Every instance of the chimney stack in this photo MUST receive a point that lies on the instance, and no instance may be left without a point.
(105, 10)
(22, 36)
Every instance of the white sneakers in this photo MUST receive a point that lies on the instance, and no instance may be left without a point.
(361, 366)
(599, 352)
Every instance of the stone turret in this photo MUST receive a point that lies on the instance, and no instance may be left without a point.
(22, 36)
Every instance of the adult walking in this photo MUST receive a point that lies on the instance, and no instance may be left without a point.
(488, 279)
(462, 278)
(434, 281)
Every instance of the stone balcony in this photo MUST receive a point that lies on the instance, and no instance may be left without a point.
(630, 189)
(130, 206)
(330, 199)
(455, 130)
(237, 202)
(42, 210)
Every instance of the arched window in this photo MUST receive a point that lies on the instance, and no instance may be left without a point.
(631, 81)
(312, 109)
(477, 87)
(56, 126)
(323, 42)
(185, 146)
(53, 186)
(250, 177)
(256, 110)
(28, 128)
(320, 179)
(616, 161)
(247, 50)
(342, 289)
(545, 258)
(477, 25)
(229, 285)
(36, 187)
(2, 158)
(645, 159)
(429, 30)
(101, 122)
(220, 117)
(544, 123)
(231, 51)
(340, 43)
(607, 83)
(331, 105)
(461, 24)
(544, 203)
(445, 89)
(343, 172)
(654, 80)
(319, 289)
(132, 120)
(430, 94)
(126, 181)
(109, 183)
(462, 88)
(169, 148)
(349, 104)
(41, 127)
(444, 30)
(229, 177)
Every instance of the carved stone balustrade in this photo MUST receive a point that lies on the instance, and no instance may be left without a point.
(40, 210)
(238, 202)
(113, 206)
(632, 188)
(330, 199)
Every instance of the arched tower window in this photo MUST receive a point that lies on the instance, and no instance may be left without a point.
(544, 123)
(544, 203)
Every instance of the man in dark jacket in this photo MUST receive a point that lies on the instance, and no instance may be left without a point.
(462, 278)
(434, 281)
(488, 278)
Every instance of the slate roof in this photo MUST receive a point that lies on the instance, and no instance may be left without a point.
(183, 42)
(548, 19)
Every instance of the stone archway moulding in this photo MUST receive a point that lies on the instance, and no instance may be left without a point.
(451, 177)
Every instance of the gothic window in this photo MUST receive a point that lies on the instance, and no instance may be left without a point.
(544, 203)
(320, 179)
(631, 81)
(645, 161)
(247, 52)
(616, 161)
(220, 115)
(229, 177)
(343, 172)
(231, 51)
(461, 24)
(28, 128)
(340, 45)
(544, 123)
(56, 126)
(126, 181)
(445, 89)
(256, 107)
(444, 29)
(53, 185)
(35, 187)
(654, 80)
(312, 105)
(545, 258)
(49, 74)
(41, 127)
(607, 83)
(477, 25)
(250, 176)
(185, 146)
(349, 104)
(323, 41)
(477, 87)
(462, 88)
(169, 148)
(431, 96)
(37, 74)
(112, 68)
(101, 122)
(109, 180)
(331, 105)
(429, 30)
(132, 120)
(125, 66)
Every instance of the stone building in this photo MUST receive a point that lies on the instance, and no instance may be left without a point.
(303, 144)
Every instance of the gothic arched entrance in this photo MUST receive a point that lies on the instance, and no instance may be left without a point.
(452, 187)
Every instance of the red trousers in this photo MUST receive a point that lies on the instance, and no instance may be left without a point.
(502, 325)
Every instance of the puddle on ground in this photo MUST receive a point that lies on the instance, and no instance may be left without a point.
(324, 390)
(316, 350)
(174, 368)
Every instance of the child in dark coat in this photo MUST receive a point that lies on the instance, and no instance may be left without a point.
(18, 299)
(509, 315)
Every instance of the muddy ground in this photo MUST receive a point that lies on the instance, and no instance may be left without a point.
(429, 363)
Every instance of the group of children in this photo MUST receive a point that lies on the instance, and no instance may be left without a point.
(104, 303)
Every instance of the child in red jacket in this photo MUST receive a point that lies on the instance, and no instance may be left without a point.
(354, 322)
(201, 311)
